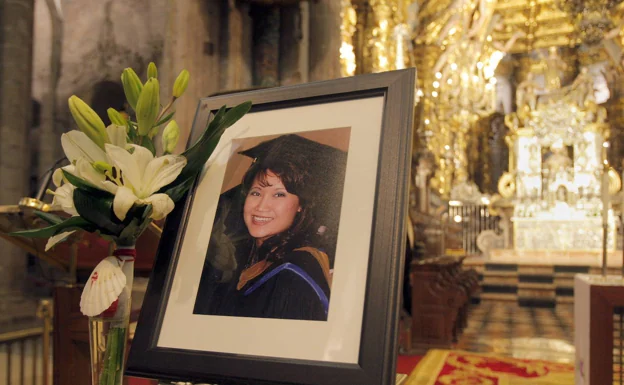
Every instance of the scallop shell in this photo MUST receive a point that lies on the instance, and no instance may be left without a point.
(105, 284)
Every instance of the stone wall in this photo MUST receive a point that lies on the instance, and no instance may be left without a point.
(16, 24)
(100, 39)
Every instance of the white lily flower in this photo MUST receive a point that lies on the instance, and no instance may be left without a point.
(82, 152)
(85, 170)
(77, 145)
(58, 178)
(64, 199)
(140, 177)
(53, 240)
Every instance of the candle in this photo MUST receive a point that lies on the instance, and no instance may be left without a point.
(605, 194)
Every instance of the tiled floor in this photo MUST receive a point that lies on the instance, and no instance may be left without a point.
(508, 329)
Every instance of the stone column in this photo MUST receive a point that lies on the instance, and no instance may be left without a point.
(325, 40)
(49, 141)
(192, 42)
(294, 44)
(237, 65)
(16, 33)
(266, 48)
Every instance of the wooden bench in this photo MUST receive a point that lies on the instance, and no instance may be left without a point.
(441, 292)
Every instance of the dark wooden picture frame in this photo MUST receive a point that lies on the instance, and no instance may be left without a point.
(377, 349)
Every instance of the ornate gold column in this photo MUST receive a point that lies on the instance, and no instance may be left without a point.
(381, 38)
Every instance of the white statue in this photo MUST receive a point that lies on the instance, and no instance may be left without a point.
(526, 96)
(581, 90)
(552, 67)
(559, 160)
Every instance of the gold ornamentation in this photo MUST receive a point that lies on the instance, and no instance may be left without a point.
(347, 29)
(593, 17)
(543, 22)
(381, 55)
(615, 182)
(507, 185)
(460, 88)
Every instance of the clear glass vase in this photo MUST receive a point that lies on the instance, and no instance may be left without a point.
(108, 332)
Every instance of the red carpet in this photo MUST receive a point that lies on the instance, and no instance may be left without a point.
(444, 367)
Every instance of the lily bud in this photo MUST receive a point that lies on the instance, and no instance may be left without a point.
(148, 106)
(116, 117)
(152, 72)
(181, 83)
(132, 86)
(153, 132)
(170, 137)
(88, 121)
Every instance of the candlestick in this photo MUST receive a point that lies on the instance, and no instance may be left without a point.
(605, 214)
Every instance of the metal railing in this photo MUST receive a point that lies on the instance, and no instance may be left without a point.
(25, 355)
(474, 219)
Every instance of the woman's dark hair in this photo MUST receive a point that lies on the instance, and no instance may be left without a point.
(297, 180)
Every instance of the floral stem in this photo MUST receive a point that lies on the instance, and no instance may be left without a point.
(164, 110)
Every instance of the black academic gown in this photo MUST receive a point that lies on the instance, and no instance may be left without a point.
(292, 288)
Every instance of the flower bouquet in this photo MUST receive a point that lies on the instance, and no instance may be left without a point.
(116, 185)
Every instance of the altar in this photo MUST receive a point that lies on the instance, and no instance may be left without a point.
(580, 234)
(559, 180)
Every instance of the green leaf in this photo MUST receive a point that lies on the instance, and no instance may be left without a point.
(52, 219)
(132, 132)
(177, 192)
(129, 232)
(73, 223)
(234, 114)
(216, 120)
(165, 119)
(135, 223)
(145, 221)
(210, 129)
(200, 152)
(98, 211)
(149, 144)
(85, 185)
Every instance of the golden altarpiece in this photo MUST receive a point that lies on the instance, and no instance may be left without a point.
(558, 139)
(548, 69)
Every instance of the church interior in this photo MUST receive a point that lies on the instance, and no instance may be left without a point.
(516, 204)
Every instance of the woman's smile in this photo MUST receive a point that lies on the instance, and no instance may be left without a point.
(261, 220)
(269, 208)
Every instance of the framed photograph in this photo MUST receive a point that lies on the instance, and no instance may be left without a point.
(284, 262)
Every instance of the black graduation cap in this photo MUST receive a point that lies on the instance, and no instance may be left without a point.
(300, 150)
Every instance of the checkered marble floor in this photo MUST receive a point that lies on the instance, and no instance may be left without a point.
(522, 332)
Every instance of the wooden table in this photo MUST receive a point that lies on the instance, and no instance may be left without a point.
(595, 297)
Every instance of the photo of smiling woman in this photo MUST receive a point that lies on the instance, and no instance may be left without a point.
(272, 248)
